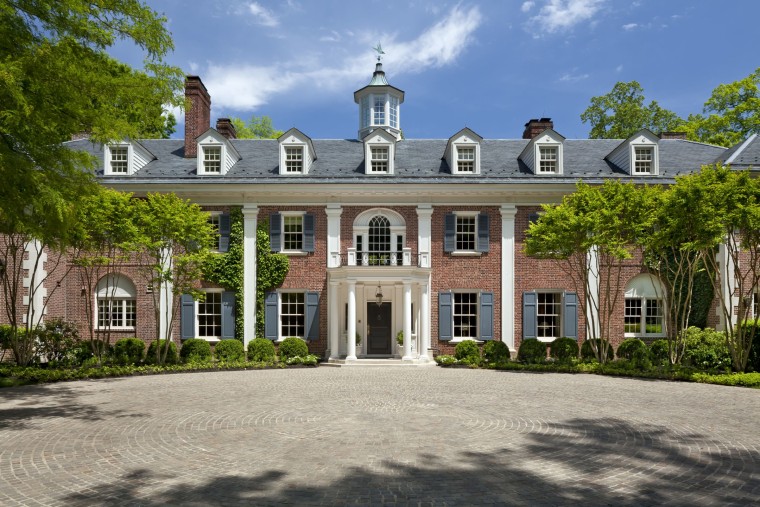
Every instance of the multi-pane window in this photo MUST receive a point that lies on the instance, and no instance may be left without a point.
(379, 162)
(393, 114)
(292, 232)
(294, 159)
(632, 319)
(292, 314)
(465, 233)
(465, 315)
(379, 241)
(547, 159)
(643, 316)
(365, 111)
(466, 160)
(548, 315)
(212, 159)
(213, 221)
(119, 159)
(210, 316)
(116, 313)
(644, 158)
(378, 110)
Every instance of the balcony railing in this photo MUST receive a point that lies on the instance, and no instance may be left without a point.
(354, 258)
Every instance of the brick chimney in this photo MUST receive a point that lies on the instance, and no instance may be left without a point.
(197, 115)
(673, 135)
(225, 127)
(536, 126)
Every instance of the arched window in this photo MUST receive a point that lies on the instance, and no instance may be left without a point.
(379, 236)
(116, 303)
(644, 308)
(379, 244)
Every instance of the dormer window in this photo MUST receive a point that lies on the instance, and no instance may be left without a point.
(294, 160)
(463, 152)
(296, 152)
(379, 160)
(643, 160)
(379, 152)
(548, 157)
(637, 155)
(216, 155)
(125, 158)
(465, 160)
(119, 159)
(212, 159)
(543, 153)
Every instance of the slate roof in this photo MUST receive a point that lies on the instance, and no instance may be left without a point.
(417, 160)
(744, 155)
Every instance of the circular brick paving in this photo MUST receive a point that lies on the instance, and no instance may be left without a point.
(399, 436)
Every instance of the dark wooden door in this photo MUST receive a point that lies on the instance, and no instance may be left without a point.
(378, 328)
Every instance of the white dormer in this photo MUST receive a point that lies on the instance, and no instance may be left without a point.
(125, 158)
(544, 153)
(296, 152)
(639, 154)
(379, 152)
(463, 152)
(216, 155)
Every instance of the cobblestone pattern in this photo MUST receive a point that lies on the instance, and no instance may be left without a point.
(396, 436)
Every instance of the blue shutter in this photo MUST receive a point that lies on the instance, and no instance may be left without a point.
(228, 315)
(570, 316)
(449, 232)
(312, 316)
(486, 315)
(271, 320)
(275, 232)
(483, 233)
(530, 307)
(187, 317)
(224, 232)
(445, 317)
(308, 232)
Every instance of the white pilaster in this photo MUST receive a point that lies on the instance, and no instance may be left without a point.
(424, 321)
(333, 320)
(333, 212)
(727, 286)
(34, 279)
(351, 334)
(250, 223)
(592, 305)
(425, 231)
(407, 321)
(165, 295)
(508, 212)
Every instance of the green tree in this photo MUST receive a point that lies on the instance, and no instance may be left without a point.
(258, 127)
(730, 115)
(622, 112)
(588, 235)
(174, 242)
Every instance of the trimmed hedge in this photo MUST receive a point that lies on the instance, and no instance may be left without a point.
(261, 350)
(128, 351)
(628, 348)
(564, 349)
(659, 351)
(195, 350)
(229, 350)
(588, 354)
(495, 352)
(171, 357)
(467, 352)
(293, 347)
(532, 351)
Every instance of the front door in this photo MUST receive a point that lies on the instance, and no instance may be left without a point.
(378, 328)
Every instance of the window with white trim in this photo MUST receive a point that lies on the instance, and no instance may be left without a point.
(379, 159)
(292, 314)
(119, 159)
(644, 308)
(465, 159)
(378, 110)
(212, 159)
(466, 232)
(294, 159)
(548, 159)
(643, 162)
(365, 111)
(548, 315)
(210, 315)
(465, 313)
(292, 232)
(393, 112)
(116, 303)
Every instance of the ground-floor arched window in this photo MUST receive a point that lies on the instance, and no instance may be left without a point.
(116, 303)
(644, 307)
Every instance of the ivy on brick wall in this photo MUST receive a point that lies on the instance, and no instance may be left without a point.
(226, 269)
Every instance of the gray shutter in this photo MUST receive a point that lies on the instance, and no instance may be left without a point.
(570, 316)
(486, 315)
(530, 303)
(483, 233)
(308, 232)
(275, 232)
(224, 232)
(450, 232)
(228, 315)
(445, 317)
(312, 316)
(271, 320)
(187, 317)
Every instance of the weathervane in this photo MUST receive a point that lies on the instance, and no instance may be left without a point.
(380, 52)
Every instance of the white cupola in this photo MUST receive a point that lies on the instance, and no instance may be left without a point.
(379, 105)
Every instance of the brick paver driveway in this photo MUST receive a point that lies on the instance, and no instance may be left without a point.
(379, 436)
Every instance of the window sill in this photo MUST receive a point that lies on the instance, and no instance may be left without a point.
(460, 340)
(465, 253)
(642, 335)
(113, 328)
(294, 253)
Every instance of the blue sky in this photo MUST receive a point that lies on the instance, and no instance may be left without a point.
(487, 65)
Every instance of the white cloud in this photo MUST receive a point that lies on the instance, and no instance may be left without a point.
(526, 6)
(333, 37)
(246, 87)
(630, 26)
(559, 15)
(262, 15)
(194, 67)
(569, 77)
(619, 68)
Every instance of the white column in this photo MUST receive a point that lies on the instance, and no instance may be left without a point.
(333, 212)
(424, 234)
(727, 286)
(407, 321)
(508, 212)
(250, 223)
(333, 320)
(165, 295)
(424, 321)
(34, 280)
(351, 334)
(592, 305)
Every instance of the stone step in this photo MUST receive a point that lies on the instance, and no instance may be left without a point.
(375, 362)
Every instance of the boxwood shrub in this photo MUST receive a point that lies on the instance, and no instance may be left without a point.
(564, 349)
(532, 351)
(753, 328)
(495, 352)
(293, 347)
(195, 350)
(467, 352)
(261, 350)
(229, 350)
(128, 351)
(659, 352)
(628, 348)
(706, 349)
(171, 356)
(588, 354)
